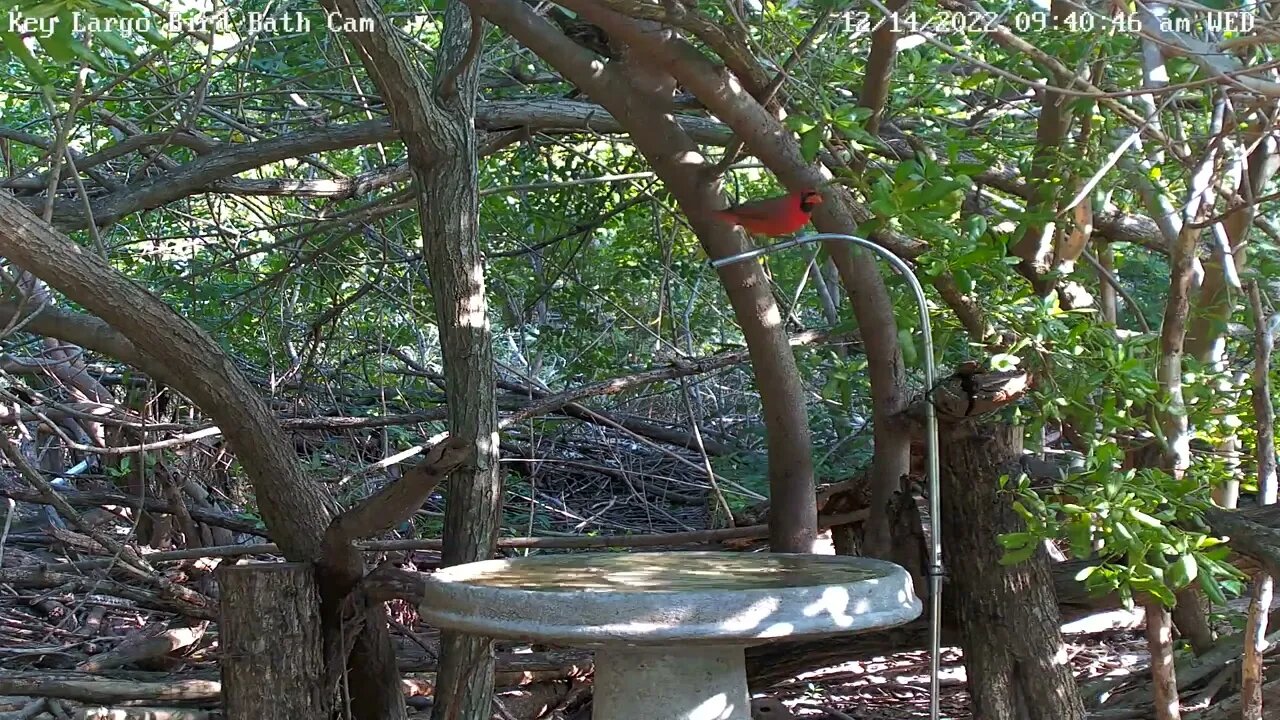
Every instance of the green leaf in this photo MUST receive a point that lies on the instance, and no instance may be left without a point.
(1011, 541)
(1212, 589)
(120, 7)
(907, 341)
(1013, 557)
(1114, 483)
(1126, 597)
(1152, 571)
(1144, 518)
(1163, 593)
(38, 10)
(158, 41)
(1123, 532)
(882, 207)
(115, 42)
(1080, 533)
(934, 192)
(59, 44)
(848, 116)
(800, 123)
(811, 144)
(1182, 572)
(93, 59)
(1217, 552)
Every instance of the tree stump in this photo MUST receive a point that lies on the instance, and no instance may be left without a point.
(271, 641)
(1007, 615)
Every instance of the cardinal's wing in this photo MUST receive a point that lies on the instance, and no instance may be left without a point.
(760, 209)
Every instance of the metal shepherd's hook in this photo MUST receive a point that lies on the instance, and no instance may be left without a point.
(931, 431)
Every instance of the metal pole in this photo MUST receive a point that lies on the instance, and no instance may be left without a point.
(931, 431)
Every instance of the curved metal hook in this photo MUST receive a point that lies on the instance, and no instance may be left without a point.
(935, 570)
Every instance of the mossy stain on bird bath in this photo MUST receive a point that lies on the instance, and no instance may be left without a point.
(659, 572)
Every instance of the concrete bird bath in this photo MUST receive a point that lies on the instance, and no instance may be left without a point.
(670, 629)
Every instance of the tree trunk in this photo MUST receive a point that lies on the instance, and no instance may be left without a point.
(436, 121)
(641, 100)
(449, 213)
(1007, 615)
(438, 128)
(1252, 678)
(269, 632)
(1164, 681)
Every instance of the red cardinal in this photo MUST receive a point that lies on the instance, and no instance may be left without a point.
(773, 216)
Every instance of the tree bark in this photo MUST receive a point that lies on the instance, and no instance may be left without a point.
(1252, 677)
(269, 631)
(1164, 681)
(1007, 615)
(449, 213)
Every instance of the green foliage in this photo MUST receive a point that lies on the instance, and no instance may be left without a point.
(1141, 528)
(1133, 526)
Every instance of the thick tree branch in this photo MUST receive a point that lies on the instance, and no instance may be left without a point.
(449, 84)
(399, 500)
(736, 54)
(1035, 247)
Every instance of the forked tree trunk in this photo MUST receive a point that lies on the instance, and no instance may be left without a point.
(449, 214)
(1007, 615)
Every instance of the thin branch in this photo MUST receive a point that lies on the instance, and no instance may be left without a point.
(1114, 282)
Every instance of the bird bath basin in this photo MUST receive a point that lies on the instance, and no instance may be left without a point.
(670, 629)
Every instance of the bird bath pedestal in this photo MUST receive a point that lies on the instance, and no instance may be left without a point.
(670, 629)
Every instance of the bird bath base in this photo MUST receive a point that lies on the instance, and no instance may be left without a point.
(670, 629)
(703, 683)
